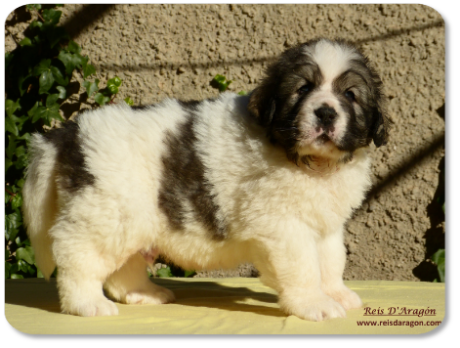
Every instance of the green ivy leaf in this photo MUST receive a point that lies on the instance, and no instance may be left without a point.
(18, 241)
(91, 87)
(52, 112)
(112, 89)
(31, 269)
(46, 81)
(22, 265)
(11, 148)
(34, 7)
(8, 164)
(62, 92)
(38, 114)
(101, 99)
(51, 16)
(129, 101)
(51, 100)
(8, 59)
(11, 106)
(73, 47)
(35, 25)
(116, 81)
(221, 82)
(70, 61)
(16, 201)
(26, 254)
(21, 158)
(25, 42)
(10, 126)
(21, 162)
(20, 183)
(59, 76)
(7, 270)
(242, 93)
(189, 273)
(20, 151)
(26, 137)
(16, 276)
(11, 234)
(164, 272)
(12, 222)
(439, 258)
(88, 69)
(14, 268)
(32, 111)
(219, 78)
(41, 67)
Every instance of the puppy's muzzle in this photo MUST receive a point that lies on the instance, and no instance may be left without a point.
(326, 115)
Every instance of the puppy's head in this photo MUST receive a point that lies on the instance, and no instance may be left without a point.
(321, 99)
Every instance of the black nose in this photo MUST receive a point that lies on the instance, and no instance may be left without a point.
(326, 114)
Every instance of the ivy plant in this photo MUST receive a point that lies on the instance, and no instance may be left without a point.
(439, 258)
(37, 78)
(221, 83)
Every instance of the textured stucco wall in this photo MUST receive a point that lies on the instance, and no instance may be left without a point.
(174, 51)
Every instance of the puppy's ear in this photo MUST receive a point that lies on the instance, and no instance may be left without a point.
(262, 105)
(380, 123)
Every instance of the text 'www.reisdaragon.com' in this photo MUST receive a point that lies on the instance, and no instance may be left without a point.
(396, 322)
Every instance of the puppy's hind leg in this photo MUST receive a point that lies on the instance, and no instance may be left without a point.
(131, 285)
(82, 269)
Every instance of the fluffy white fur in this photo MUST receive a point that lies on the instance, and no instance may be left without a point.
(286, 219)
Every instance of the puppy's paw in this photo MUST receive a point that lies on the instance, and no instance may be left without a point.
(99, 306)
(153, 295)
(315, 308)
(346, 297)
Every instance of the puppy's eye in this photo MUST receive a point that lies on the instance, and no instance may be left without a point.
(305, 88)
(350, 95)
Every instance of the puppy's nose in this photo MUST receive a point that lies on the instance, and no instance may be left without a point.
(326, 115)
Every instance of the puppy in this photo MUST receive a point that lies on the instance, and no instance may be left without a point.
(269, 178)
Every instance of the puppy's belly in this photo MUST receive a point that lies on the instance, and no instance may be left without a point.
(202, 252)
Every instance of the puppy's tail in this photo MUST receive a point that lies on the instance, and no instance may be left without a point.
(39, 201)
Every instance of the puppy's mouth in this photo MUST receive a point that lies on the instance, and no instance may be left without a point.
(323, 139)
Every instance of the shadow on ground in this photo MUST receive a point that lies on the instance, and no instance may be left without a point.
(40, 294)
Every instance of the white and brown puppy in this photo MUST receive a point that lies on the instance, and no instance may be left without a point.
(268, 178)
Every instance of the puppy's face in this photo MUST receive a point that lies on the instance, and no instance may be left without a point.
(321, 99)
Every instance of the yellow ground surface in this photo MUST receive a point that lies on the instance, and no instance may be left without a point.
(229, 306)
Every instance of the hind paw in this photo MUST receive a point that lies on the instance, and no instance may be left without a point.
(154, 295)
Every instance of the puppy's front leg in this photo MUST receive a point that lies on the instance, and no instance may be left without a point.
(332, 258)
(288, 262)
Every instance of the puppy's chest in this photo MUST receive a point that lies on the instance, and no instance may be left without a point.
(322, 203)
(325, 196)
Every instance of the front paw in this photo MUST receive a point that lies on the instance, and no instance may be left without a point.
(316, 308)
(346, 297)
(90, 307)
